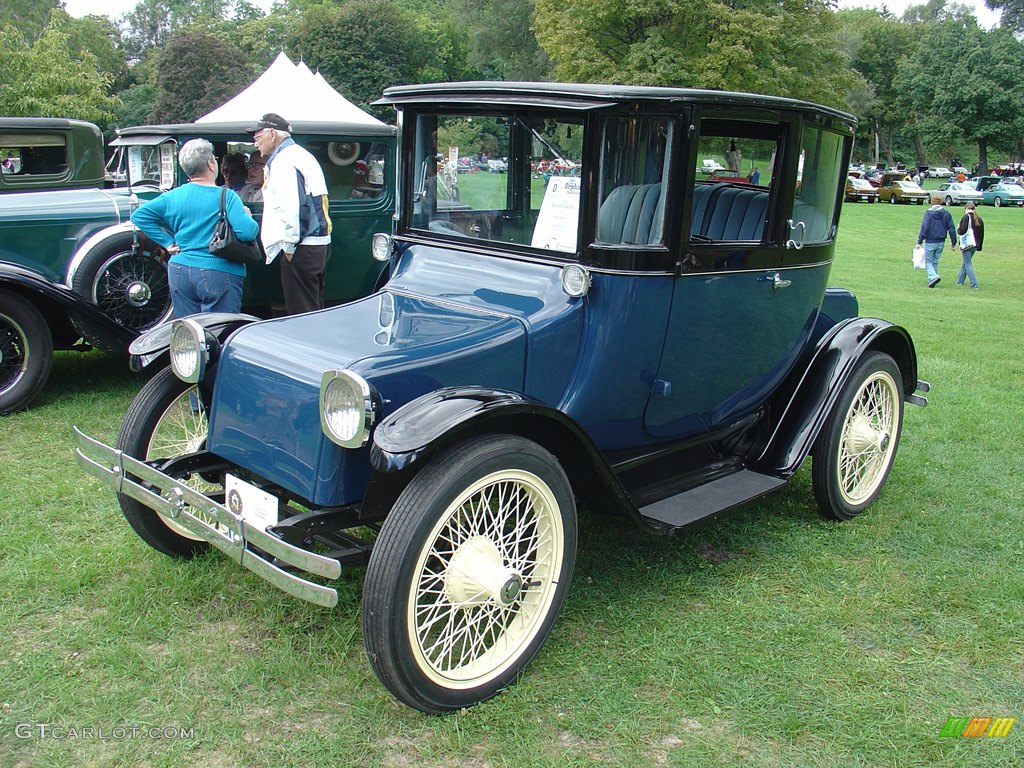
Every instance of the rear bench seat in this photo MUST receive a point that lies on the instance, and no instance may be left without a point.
(725, 212)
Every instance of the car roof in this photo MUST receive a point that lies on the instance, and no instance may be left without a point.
(232, 129)
(587, 96)
(43, 122)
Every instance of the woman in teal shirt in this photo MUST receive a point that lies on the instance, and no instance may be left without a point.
(182, 221)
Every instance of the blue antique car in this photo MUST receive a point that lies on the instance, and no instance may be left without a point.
(74, 273)
(631, 335)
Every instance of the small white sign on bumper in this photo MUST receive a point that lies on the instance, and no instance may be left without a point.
(254, 505)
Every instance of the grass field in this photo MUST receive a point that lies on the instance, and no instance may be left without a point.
(772, 638)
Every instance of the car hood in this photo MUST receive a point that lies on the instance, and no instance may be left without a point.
(265, 414)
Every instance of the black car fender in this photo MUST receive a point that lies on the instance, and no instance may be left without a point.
(154, 344)
(807, 397)
(68, 314)
(405, 441)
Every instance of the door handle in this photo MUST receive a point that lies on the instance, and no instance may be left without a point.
(778, 282)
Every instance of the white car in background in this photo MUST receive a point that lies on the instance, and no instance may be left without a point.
(955, 193)
(939, 172)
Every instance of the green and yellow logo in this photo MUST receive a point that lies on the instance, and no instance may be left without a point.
(978, 727)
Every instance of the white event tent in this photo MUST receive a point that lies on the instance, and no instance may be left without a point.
(295, 93)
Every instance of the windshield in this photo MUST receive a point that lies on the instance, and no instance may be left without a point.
(152, 164)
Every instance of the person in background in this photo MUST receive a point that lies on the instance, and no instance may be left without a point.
(252, 192)
(970, 221)
(182, 221)
(936, 225)
(295, 214)
(233, 170)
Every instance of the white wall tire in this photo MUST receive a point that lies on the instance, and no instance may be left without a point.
(469, 573)
(166, 419)
(857, 446)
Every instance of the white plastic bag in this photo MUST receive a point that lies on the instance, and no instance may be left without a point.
(919, 257)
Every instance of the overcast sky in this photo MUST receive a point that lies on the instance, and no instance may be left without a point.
(115, 8)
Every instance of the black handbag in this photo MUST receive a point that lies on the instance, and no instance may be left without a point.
(226, 244)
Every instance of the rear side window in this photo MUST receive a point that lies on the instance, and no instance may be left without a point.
(23, 156)
(817, 185)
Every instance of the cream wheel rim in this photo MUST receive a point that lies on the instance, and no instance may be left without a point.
(181, 429)
(868, 440)
(485, 579)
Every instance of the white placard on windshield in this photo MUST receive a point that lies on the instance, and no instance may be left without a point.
(559, 217)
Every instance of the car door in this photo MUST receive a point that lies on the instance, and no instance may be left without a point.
(731, 335)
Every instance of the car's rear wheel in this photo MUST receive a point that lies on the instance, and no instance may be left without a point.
(26, 352)
(167, 419)
(857, 446)
(469, 573)
(126, 282)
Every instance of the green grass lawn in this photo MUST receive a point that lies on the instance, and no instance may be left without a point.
(771, 638)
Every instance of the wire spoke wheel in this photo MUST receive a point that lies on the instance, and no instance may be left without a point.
(133, 289)
(857, 446)
(486, 578)
(166, 420)
(26, 351)
(469, 572)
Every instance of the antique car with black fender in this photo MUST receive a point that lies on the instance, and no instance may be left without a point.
(632, 336)
(75, 274)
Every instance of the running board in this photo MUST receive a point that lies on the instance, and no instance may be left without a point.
(709, 499)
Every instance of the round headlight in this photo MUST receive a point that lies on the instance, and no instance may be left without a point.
(381, 247)
(346, 408)
(189, 351)
(575, 280)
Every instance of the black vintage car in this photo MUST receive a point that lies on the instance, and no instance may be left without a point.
(617, 330)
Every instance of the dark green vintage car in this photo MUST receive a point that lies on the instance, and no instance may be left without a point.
(74, 273)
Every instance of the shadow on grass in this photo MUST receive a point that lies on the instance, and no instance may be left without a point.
(89, 373)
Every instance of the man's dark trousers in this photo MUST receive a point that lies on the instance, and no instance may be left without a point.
(302, 278)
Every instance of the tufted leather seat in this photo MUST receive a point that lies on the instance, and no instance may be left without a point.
(724, 212)
(632, 215)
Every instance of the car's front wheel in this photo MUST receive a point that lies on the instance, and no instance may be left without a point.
(857, 446)
(126, 282)
(949, 200)
(26, 352)
(998, 202)
(469, 573)
(167, 419)
(892, 199)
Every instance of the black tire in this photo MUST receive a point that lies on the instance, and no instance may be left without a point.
(857, 446)
(892, 199)
(948, 200)
(26, 352)
(165, 420)
(126, 282)
(998, 202)
(486, 523)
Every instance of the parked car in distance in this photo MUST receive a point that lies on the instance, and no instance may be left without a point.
(539, 340)
(955, 193)
(939, 172)
(858, 190)
(958, 169)
(74, 274)
(902, 192)
(1003, 194)
(497, 165)
(38, 153)
(981, 183)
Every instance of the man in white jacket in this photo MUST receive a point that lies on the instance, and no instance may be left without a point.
(295, 215)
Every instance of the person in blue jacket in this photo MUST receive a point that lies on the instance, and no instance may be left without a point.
(936, 226)
(182, 221)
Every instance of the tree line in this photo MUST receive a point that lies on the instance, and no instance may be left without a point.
(929, 86)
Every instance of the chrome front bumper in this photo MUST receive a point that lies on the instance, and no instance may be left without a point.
(231, 535)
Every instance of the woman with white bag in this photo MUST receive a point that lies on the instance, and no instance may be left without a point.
(972, 232)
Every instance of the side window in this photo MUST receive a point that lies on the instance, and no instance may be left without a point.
(353, 170)
(505, 178)
(634, 173)
(817, 185)
(24, 156)
(734, 180)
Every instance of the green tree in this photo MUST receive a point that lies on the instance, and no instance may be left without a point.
(939, 85)
(381, 47)
(502, 43)
(785, 47)
(152, 22)
(49, 78)
(28, 17)
(197, 72)
(99, 36)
